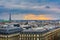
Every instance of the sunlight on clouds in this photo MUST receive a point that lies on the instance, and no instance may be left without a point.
(36, 17)
(44, 17)
(30, 6)
(29, 17)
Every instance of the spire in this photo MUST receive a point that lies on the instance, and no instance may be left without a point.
(9, 17)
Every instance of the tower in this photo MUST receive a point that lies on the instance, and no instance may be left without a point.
(9, 17)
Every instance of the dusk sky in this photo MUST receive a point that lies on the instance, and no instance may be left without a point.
(31, 8)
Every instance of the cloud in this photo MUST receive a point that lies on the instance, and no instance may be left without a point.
(36, 8)
(30, 6)
(38, 17)
(30, 16)
(26, 4)
(5, 16)
(18, 16)
(33, 7)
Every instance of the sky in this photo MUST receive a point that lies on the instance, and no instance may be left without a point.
(24, 9)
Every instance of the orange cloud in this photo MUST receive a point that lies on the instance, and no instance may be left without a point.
(44, 17)
(35, 17)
